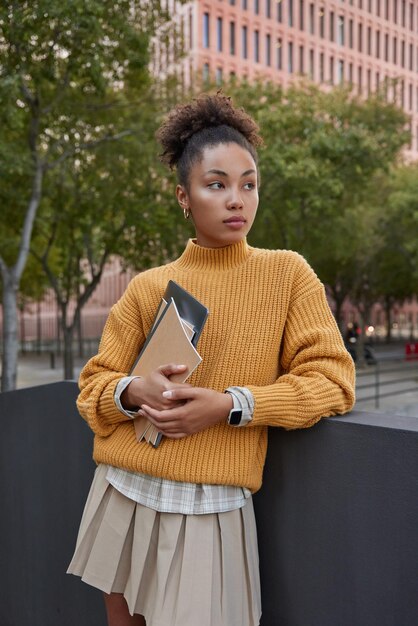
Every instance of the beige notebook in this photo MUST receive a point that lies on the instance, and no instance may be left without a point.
(169, 342)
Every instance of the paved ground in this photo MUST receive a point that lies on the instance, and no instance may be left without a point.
(36, 370)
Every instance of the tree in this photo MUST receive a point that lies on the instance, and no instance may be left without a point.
(322, 150)
(396, 260)
(103, 204)
(61, 64)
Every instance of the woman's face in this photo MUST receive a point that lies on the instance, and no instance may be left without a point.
(222, 195)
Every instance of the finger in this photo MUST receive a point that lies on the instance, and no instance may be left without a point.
(164, 416)
(171, 368)
(180, 393)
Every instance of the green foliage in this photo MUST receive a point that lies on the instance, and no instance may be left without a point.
(322, 153)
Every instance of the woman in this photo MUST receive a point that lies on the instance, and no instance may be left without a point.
(169, 533)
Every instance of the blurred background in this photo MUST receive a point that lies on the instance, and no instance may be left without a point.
(85, 203)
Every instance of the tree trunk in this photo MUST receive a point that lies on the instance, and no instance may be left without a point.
(11, 280)
(388, 310)
(68, 332)
(10, 334)
(338, 313)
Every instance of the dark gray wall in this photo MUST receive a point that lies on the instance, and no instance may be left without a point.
(338, 524)
(337, 518)
(45, 473)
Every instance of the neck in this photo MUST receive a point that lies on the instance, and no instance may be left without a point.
(217, 259)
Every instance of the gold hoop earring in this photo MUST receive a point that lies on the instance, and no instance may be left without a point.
(186, 213)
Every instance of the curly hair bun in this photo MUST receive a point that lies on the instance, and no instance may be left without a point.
(203, 112)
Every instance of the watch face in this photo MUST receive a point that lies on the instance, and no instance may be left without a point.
(235, 417)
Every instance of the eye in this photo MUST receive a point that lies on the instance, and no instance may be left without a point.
(249, 186)
(215, 185)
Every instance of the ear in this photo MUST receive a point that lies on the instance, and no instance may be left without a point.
(182, 197)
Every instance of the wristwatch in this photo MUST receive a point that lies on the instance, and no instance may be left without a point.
(235, 414)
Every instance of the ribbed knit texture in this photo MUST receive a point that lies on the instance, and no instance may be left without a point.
(269, 329)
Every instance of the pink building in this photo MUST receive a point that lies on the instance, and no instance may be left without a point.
(365, 43)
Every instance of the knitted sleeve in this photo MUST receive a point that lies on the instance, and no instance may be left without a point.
(317, 373)
(122, 338)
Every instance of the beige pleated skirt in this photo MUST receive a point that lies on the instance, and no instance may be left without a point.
(176, 570)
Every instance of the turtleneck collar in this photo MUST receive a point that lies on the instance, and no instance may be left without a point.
(196, 257)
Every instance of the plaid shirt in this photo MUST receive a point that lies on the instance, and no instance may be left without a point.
(169, 496)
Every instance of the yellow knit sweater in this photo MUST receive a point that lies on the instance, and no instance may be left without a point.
(269, 329)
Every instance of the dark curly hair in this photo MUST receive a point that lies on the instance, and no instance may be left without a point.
(208, 120)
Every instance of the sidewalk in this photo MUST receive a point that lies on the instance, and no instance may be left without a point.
(36, 370)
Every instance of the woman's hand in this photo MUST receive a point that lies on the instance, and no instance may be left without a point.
(197, 408)
(149, 389)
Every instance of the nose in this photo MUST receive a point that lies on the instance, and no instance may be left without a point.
(235, 200)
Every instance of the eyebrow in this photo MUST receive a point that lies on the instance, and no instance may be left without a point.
(222, 173)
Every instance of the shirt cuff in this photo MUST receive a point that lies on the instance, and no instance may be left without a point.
(120, 388)
(243, 399)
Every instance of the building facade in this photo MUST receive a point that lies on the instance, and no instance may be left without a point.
(368, 44)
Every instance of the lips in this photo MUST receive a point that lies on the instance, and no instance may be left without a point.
(235, 220)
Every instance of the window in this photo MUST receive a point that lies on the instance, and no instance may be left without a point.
(331, 70)
(231, 37)
(402, 93)
(311, 64)
(359, 79)
(411, 16)
(411, 56)
(312, 18)
(218, 76)
(301, 60)
(279, 55)
(395, 11)
(403, 12)
(331, 26)
(350, 73)
(341, 30)
(377, 80)
(245, 4)
(290, 13)
(279, 12)
(378, 8)
(340, 71)
(219, 28)
(369, 82)
(290, 57)
(378, 44)
(351, 33)
(301, 15)
(206, 40)
(205, 72)
(403, 53)
(395, 50)
(268, 50)
(386, 47)
(369, 6)
(232, 2)
(191, 30)
(256, 7)
(386, 9)
(369, 40)
(410, 97)
(321, 67)
(244, 42)
(268, 8)
(322, 22)
(256, 46)
(360, 38)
